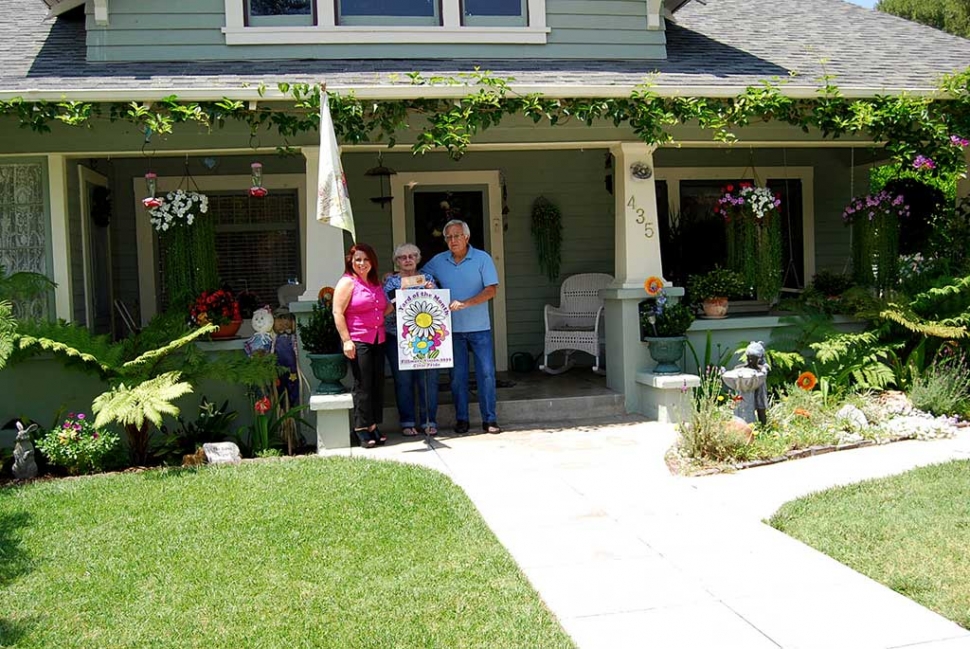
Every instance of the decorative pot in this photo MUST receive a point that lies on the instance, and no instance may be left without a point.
(329, 369)
(667, 352)
(715, 307)
(226, 330)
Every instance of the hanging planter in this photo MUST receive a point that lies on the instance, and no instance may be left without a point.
(547, 235)
(875, 237)
(753, 223)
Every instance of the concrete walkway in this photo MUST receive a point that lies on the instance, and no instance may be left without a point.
(627, 555)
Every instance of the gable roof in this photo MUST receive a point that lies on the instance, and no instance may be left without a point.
(714, 49)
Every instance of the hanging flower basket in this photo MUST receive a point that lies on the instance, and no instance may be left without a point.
(179, 209)
(875, 237)
(753, 220)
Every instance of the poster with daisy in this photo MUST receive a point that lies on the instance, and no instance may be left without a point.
(424, 329)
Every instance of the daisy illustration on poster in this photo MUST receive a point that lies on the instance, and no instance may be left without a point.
(424, 329)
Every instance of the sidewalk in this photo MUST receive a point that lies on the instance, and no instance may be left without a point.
(627, 555)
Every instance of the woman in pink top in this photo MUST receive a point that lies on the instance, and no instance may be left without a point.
(359, 307)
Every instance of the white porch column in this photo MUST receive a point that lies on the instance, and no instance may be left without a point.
(324, 248)
(60, 236)
(637, 228)
(637, 258)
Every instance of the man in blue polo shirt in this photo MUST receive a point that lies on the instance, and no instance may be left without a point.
(471, 276)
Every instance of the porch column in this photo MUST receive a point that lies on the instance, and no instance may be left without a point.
(324, 248)
(60, 237)
(637, 258)
(637, 229)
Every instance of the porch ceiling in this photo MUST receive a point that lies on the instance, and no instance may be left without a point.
(714, 49)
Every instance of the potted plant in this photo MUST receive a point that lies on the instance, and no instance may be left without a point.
(753, 221)
(220, 308)
(714, 288)
(663, 326)
(321, 341)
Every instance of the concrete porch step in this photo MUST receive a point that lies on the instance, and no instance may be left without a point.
(535, 398)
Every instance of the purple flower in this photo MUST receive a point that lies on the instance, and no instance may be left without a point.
(922, 163)
(959, 141)
(80, 415)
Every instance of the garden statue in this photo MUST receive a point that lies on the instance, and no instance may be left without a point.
(749, 380)
(24, 464)
(261, 342)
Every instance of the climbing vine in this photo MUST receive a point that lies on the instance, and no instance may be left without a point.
(908, 125)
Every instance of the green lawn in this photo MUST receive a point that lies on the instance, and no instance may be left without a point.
(305, 552)
(910, 532)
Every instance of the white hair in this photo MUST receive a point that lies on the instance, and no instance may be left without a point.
(464, 226)
(403, 248)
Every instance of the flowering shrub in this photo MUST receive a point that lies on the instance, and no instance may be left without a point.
(720, 282)
(215, 307)
(180, 208)
(707, 432)
(922, 163)
(875, 241)
(749, 201)
(77, 445)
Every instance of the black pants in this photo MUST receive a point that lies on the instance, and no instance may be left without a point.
(368, 371)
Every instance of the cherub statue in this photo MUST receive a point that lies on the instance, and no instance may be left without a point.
(750, 380)
(24, 464)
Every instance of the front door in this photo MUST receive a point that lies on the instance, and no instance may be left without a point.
(425, 201)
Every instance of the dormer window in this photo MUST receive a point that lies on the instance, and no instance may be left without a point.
(270, 22)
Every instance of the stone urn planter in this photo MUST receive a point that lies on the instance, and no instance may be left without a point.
(667, 352)
(329, 369)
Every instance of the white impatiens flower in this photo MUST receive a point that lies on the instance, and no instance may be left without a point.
(180, 208)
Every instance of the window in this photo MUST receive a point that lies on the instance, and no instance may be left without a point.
(693, 237)
(279, 12)
(385, 22)
(504, 13)
(388, 12)
(257, 242)
(24, 236)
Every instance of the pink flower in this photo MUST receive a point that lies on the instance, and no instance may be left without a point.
(263, 406)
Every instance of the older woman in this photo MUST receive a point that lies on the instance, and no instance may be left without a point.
(359, 307)
(406, 258)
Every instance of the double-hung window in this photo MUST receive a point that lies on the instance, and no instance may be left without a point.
(385, 21)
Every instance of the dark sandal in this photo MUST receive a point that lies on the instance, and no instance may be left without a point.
(365, 439)
(409, 432)
(461, 427)
(491, 427)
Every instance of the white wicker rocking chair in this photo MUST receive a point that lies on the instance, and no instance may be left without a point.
(577, 325)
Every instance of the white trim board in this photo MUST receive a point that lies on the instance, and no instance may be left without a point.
(406, 180)
(327, 31)
(85, 177)
(673, 176)
(145, 234)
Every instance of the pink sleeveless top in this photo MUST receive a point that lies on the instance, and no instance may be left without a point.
(365, 313)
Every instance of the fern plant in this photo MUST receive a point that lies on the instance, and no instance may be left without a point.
(547, 235)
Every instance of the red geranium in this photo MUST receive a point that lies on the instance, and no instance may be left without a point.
(215, 307)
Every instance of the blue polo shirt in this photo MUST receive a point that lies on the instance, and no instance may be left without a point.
(465, 280)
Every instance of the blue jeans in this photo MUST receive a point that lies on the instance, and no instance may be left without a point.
(404, 385)
(480, 344)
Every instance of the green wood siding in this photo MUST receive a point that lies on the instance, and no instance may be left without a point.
(191, 30)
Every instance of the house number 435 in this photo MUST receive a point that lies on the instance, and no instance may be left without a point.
(640, 216)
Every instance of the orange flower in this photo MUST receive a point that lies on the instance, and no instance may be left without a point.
(326, 294)
(653, 286)
(803, 413)
(806, 381)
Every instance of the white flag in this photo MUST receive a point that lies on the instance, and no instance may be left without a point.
(333, 199)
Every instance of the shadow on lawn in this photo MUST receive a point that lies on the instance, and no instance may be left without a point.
(14, 563)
